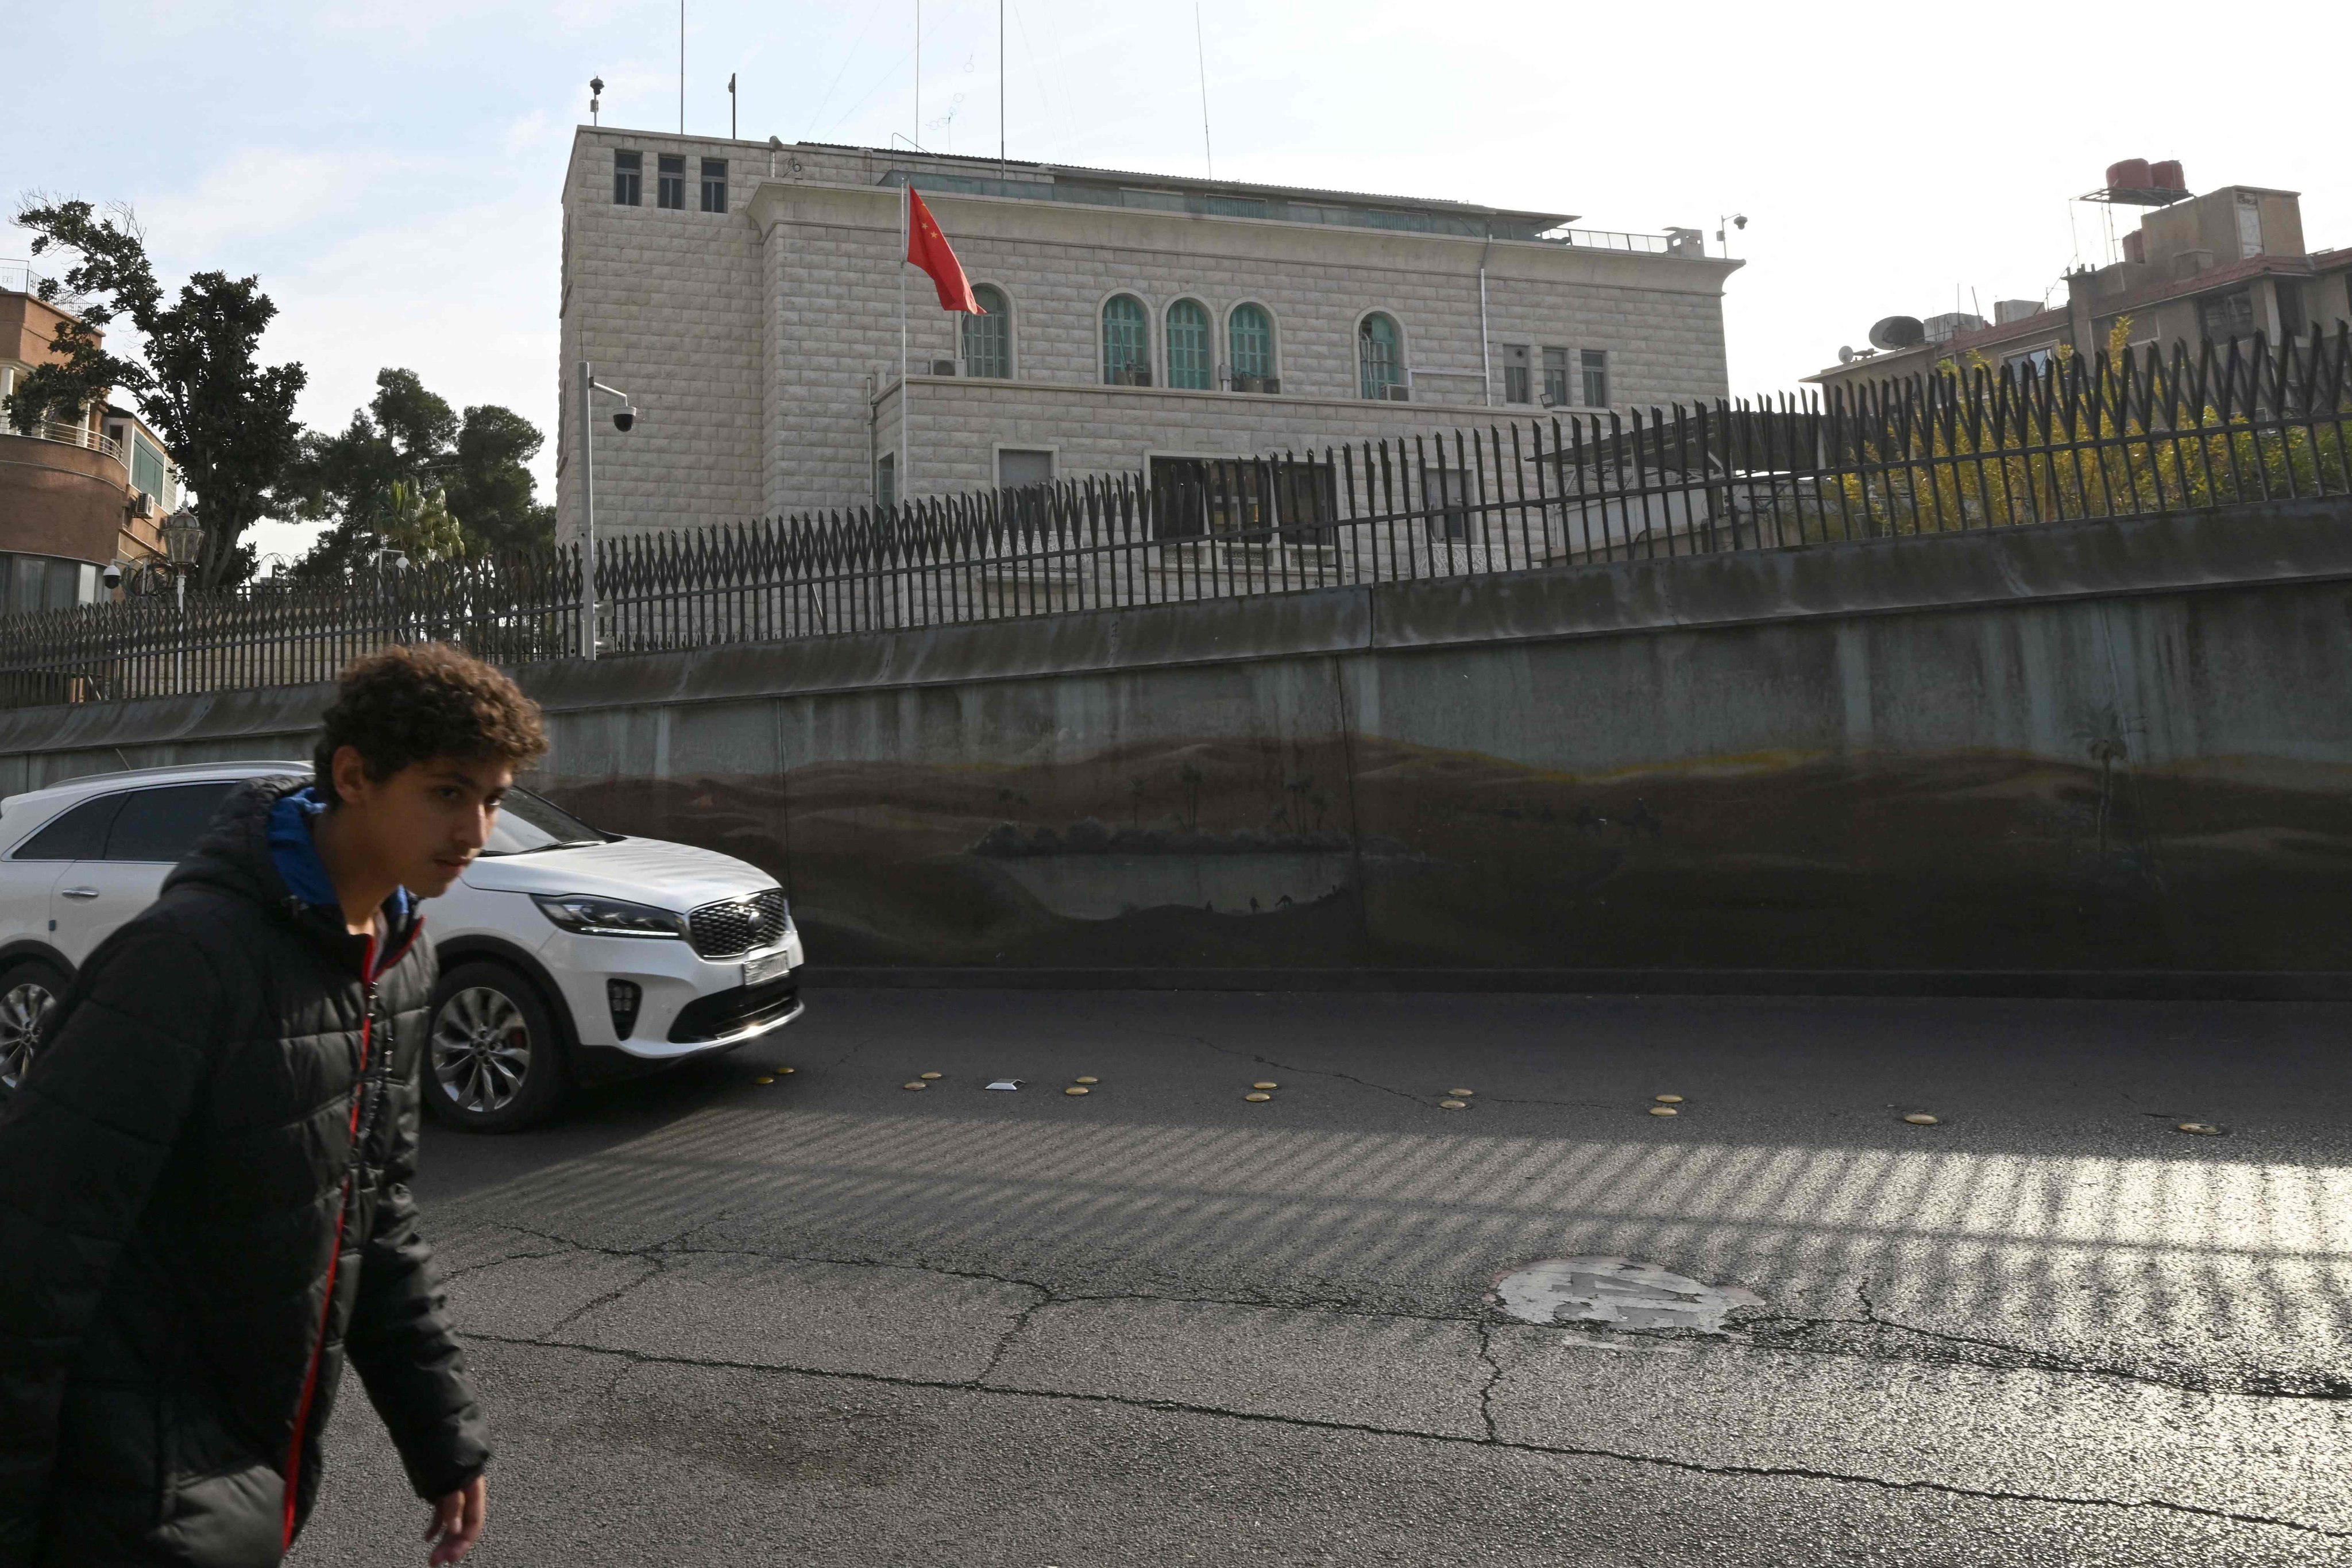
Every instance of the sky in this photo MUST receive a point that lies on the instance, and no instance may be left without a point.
(390, 169)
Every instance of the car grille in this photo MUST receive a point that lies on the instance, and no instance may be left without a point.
(736, 926)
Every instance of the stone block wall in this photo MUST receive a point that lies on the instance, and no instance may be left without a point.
(667, 306)
(763, 345)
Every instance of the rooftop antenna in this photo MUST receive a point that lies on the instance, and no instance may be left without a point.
(1000, 89)
(595, 98)
(1200, 49)
(918, 72)
(681, 67)
(730, 106)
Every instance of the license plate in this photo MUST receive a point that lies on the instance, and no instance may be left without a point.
(767, 966)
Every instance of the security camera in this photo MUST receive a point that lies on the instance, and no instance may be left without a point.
(1739, 222)
(623, 418)
(111, 574)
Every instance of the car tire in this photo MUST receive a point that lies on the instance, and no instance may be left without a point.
(494, 1060)
(29, 991)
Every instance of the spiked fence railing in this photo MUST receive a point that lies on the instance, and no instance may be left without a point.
(2091, 437)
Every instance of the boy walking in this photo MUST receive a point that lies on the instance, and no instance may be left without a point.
(204, 1179)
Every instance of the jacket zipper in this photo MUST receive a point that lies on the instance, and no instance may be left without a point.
(360, 1097)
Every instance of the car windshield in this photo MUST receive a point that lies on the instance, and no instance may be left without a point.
(526, 823)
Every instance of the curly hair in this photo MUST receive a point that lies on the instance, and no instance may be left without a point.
(401, 706)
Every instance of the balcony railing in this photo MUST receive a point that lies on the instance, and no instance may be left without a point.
(19, 278)
(69, 435)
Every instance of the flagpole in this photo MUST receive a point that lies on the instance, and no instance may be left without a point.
(906, 393)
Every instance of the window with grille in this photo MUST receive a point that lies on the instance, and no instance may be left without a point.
(1516, 374)
(2250, 226)
(669, 182)
(1017, 468)
(1379, 364)
(988, 339)
(886, 480)
(1127, 343)
(2224, 316)
(1555, 369)
(1191, 361)
(714, 185)
(628, 169)
(1250, 334)
(1596, 378)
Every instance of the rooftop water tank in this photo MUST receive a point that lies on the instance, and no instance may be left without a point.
(2131, 175)
(2166, 175)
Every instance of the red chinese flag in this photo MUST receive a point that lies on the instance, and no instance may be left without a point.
(928, 248)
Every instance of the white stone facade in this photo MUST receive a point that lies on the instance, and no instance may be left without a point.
(761, 343)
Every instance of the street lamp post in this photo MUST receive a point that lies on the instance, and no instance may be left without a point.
(624, 419)
(184, 545)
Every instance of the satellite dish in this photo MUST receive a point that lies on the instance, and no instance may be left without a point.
(1845, 353)
(1898, 333)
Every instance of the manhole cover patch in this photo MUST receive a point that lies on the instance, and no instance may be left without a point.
(1621, 1293)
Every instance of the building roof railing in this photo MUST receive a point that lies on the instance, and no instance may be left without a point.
(1611, 240)
(19, 278)
(1210, 203)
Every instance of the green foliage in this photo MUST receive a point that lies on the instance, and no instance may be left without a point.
(491, 489)
(373, 480)
(2083, 441)
(228, 420)
(417, 522)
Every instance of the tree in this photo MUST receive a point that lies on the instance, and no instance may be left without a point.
(490, 491)
(228, 420)
(410, 439)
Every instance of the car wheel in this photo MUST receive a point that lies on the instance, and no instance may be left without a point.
(29, 990)
(493, 1060)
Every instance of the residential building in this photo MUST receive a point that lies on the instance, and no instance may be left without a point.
(2229, 264)
(746, 296)
(76, 495)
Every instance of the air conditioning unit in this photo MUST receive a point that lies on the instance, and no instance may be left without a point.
(943, 367)
(1132, 375)
(1397, 392)
(1249, 384)
(1273, 383)
(141, 504)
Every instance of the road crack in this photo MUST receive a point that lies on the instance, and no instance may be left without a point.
(1689, 1467)
(1494, 1375)
(1873, 1337)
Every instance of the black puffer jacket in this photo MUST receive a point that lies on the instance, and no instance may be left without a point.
(213, 1110)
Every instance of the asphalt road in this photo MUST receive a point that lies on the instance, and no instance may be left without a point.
(827, 1321)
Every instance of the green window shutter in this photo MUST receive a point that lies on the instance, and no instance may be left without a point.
(1190, 361)
(988, 339)
(1127, 343)
(1378, 362)
(1252, 336)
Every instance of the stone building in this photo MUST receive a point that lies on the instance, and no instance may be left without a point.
(746, 296)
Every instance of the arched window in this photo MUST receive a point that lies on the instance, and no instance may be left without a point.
(988, 340)
(1378, 365)
(1127, 342)
(1251, 335)
(1191, 361)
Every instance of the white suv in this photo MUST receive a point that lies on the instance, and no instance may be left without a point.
(567, 954)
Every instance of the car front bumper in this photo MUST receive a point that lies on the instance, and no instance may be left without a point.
(687, 1003)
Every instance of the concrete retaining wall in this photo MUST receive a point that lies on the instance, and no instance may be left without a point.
(2111, 756)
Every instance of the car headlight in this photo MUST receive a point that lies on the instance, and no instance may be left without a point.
(591, 916)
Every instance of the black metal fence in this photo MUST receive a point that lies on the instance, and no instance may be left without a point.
(1967, 448)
